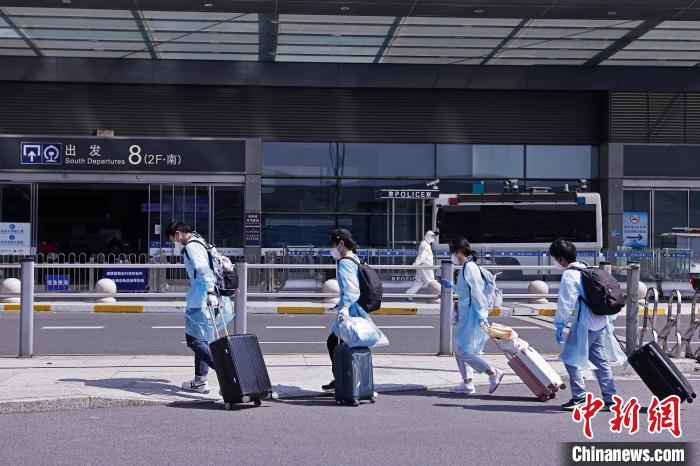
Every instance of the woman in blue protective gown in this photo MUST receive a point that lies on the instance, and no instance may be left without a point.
(344, 252)
(202, 299)
(469, 318)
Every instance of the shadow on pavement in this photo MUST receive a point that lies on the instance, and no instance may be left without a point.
(138, 386)
(214, 406)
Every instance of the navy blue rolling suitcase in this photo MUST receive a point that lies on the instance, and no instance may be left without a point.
(240, 369)
(354, 378)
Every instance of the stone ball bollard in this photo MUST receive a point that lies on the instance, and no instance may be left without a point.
(434, 288)
(331, 286)
(642, 291)
(538, 287)
(105, 285)
(11, 285)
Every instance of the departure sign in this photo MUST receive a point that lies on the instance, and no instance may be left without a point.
(122, 154)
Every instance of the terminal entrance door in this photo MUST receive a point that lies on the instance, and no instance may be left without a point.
(127, 222)
(407, 222)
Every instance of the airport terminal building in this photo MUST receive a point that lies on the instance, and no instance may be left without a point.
(266, 124)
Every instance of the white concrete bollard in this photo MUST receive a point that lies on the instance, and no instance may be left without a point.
(435, 289)
(642, 290)
(331, 286)
(11, 285)
(538, 287)
(105, 285)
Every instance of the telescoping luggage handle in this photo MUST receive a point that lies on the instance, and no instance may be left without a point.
(213, 312)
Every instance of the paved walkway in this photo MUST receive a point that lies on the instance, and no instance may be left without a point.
(68, 382)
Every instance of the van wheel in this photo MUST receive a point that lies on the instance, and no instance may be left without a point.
(228, 406)
(373, 400)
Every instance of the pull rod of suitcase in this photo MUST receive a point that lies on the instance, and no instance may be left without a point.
(240, 367)
(353, 372)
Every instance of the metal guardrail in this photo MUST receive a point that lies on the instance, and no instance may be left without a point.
(28, 269)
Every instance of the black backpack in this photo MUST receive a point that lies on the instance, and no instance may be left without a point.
(371, 289)
(603, 293)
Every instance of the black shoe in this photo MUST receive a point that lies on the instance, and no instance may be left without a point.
(572, 404)
(330, 386)
(607, 407)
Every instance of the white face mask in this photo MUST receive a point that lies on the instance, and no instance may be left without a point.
(177, 246)
(335, 253)
(455, 259)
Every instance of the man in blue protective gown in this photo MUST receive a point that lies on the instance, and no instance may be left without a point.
(591, 342)
(202, 299)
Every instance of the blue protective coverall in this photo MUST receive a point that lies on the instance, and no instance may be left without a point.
(197, 316)
(570, 309)
(348, 278)
(472, 309)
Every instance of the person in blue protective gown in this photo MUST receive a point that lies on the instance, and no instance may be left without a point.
(469, 318)
(591, 342)
(202, 300)
(344, 252)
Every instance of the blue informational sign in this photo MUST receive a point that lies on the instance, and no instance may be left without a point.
(41, 153)
(635, 229)
(128, 279)
(55, 282)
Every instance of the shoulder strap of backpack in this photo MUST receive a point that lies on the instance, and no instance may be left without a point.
(201, 242)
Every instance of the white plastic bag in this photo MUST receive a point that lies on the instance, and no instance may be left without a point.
(358, 331)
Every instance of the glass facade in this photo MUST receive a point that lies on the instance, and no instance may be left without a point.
(667, 208)
(310, 188)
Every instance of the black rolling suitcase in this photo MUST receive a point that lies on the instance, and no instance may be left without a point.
(240, 368)
(659, 373)
(354, 378)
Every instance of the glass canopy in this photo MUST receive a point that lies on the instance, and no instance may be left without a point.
(68, 32)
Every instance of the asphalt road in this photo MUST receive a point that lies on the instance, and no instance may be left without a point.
(419, 428)
(77, 333)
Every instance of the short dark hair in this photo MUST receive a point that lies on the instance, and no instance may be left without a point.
(341, 234)
(461, 244)
(563, 249)
(177, 225)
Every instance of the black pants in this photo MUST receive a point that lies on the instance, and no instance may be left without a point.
(331, 343)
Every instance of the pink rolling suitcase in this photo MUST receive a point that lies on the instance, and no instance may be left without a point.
(535, 372)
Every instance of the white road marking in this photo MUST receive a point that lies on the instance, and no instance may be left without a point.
(292, 342)
(72, 328)
(406, 326)
(180, 327)
(295, 327)
(527, 327)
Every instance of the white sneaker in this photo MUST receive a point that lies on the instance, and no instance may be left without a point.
(463, 388)
(195, 386)
(495, 380)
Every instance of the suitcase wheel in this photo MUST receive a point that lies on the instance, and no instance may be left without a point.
(228, 406)
(562, 386)
(245, 399)
(552, 396)
(258, 402)
(543, 398)
(274, 395)
(356, 403)
(339, 402)
(693, 395)
(373, 400)
(690, 399)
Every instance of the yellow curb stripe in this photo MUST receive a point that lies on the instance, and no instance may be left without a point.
(495, 312)
(300, 310)
(37, 307)
(118, 308)
(396, 311)
(547, 312)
